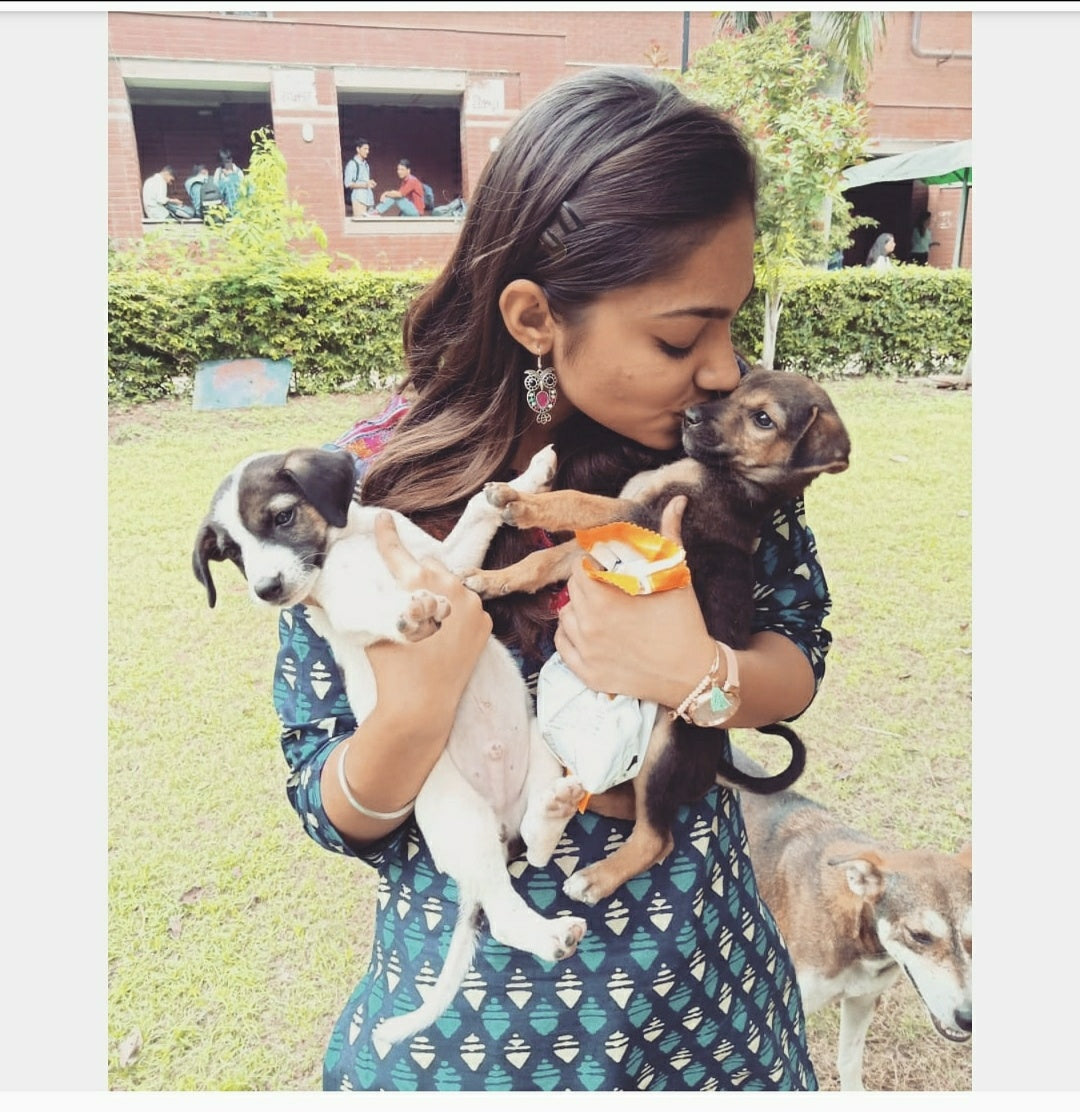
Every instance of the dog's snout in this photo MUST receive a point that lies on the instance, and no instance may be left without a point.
(269, 589)
(963, 1019)
(692, 417)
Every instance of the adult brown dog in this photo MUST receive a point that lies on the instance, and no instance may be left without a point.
(854, 913)
(747, 454)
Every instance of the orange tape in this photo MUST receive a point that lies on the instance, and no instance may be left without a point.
(650, 547)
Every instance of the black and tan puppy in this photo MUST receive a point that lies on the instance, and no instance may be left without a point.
(747, 454)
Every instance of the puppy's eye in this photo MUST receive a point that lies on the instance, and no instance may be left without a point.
(921, 938)
(284, 517)
(762, 419)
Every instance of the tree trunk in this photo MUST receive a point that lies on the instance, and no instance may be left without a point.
(772, 318)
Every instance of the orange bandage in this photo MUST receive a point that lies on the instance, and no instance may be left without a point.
(634, 559)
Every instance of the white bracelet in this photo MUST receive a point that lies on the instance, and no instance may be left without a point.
(381, 816)
(702, 686)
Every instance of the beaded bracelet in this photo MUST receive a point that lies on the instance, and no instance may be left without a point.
(381, 816)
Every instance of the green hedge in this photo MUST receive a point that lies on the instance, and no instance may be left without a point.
(911, 320)
(342, 329)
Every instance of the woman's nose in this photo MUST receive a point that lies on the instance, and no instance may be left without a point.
(719, 372)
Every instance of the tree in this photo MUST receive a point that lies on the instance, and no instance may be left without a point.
(769, 83)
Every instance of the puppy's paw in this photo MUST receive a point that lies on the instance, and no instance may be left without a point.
(423, 615)
(546, 817)
(500, 495)
(568, 931)
(487, 584)
(538, 475)
(584, 888)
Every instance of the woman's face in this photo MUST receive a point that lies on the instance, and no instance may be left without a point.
(890, 245)
(644, 354)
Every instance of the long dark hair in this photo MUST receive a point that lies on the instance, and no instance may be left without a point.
(606, 180)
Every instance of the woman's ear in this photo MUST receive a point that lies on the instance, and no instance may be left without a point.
(527, 315)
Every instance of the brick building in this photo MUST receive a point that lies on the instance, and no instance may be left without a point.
(439, 88)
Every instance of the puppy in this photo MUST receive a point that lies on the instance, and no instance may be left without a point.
(854, 913)
(290, 523)
(747, 454)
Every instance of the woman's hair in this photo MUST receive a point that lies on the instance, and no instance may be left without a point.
(224, 156)
(609, 179)
(923, 217)
(878, 248)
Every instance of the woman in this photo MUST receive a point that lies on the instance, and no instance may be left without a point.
(228, 177)
(922, 239)
(574, 310)
(880, 255)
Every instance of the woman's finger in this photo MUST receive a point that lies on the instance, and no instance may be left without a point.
(671, 519)
(400, 561)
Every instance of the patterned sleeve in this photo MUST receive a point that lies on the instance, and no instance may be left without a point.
(309, 697)
(790, 593)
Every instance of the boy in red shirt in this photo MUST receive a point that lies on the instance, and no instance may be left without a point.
(409, 198)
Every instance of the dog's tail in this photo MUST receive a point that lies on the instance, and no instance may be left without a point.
(458, 961)
(734, 777)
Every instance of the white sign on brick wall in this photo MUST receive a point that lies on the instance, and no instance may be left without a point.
(294, 88)
(486, 98)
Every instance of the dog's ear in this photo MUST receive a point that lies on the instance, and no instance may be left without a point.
(326, 479)
(865, 873)
(823, 445)
(206, 549)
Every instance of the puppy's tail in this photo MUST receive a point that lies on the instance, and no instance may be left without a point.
(734, 777)
(458, 960)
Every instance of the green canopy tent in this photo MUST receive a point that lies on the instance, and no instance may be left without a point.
(944, 164)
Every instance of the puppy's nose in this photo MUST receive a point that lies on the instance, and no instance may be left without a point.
(269, 589)
(692, 417)
(963, 1018)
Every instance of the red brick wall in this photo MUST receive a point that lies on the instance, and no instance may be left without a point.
(527, 51)
(920, 98)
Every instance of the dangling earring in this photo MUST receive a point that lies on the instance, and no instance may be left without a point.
(540, 390)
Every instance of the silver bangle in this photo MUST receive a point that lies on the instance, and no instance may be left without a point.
(381, 816)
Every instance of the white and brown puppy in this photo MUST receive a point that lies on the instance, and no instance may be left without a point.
(290, 522)
(854, 913)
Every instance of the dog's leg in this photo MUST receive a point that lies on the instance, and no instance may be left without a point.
(856, 1012)
(538, 569)
(556, 511)
(468, 541)
(649, 842)
(553, 799)
(466, 843)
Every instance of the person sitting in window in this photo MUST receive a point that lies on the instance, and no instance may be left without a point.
(157, 204)
(228, 177)
(409, 197)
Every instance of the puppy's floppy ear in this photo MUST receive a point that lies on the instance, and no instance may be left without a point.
(206, 549)
(326, 479)
(823, 444)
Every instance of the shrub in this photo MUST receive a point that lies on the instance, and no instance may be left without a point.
(909, 320)
(342, 330)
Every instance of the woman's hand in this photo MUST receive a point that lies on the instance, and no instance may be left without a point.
(651, 647)
(420, 684)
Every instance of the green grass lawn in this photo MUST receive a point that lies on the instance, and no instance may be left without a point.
(234, 940)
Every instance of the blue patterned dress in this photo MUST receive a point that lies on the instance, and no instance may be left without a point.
(681, 981)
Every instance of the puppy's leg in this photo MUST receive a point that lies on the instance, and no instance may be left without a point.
(538, 569)
(649, 841)
(553, 799)
(856, 1012)
(466, 843)
(467, 542)
(557, 510)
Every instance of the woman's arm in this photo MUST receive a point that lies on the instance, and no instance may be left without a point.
(391, 752)
(778, 671)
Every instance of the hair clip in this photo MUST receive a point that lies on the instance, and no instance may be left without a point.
(568, 222)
